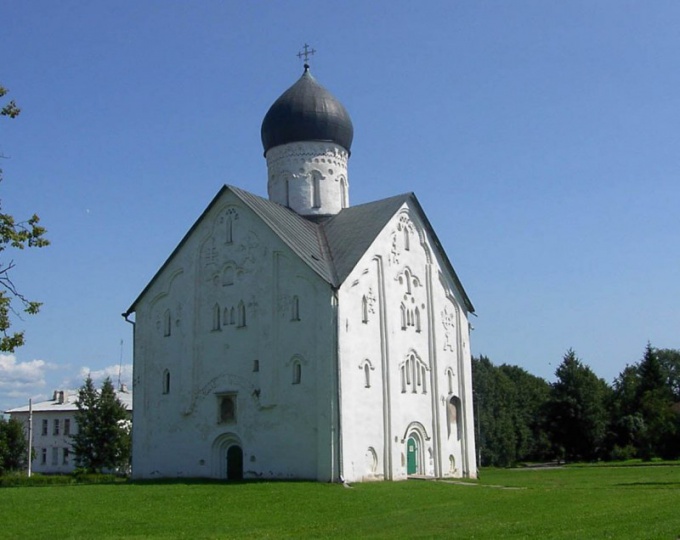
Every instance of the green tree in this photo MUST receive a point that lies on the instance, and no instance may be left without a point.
(654, 399)
(577, 412)
(13, 446)
(493, 394)
(15, 235)
(103, 438)
(528, 410)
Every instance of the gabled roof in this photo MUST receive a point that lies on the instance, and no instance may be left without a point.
(68, 403)
(330, 246)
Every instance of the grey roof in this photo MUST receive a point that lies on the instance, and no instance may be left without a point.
(69, 403)
(351, 232)
(331, 246)
(306, 112)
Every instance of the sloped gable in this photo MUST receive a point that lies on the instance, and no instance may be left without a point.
(331, 246)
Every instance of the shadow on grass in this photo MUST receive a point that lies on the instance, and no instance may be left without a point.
(660, 484)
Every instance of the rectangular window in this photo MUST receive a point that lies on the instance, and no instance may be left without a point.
(227, 408)
(55, 455)
(44, 427)
(67, 426)
(43, 456)
(56, 427)
(66, 454)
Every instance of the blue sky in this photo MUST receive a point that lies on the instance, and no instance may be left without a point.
(540, 137)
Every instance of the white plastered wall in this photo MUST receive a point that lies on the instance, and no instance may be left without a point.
(402, 268)
(233, 260)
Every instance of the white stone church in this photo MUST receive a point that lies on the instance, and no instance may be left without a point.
(299, 336)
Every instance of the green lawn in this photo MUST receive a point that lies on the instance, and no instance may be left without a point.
(575, 503)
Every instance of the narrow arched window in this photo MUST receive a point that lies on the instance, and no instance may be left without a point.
(295, 309)
(449, 377)
(424, 380)
(364, 309)
(403, 379)
(343, 193)
(316, 189)
(417, 316)
(407, 240)
(414, 388)
(166, 382)
(167, 323)
(216, 317)
(241, 314)
(407, 279)
(232, 316)
(367, 375)
(229, 230)
(297, 372)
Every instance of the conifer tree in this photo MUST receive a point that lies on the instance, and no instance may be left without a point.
(103, 438)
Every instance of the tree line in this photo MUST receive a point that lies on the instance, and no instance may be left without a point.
(522, 418)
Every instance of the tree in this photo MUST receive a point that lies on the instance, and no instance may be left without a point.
(654, 399)
(530, 396)
(103, 438)
(13, 446)
(509, 405)
(18, 235)
(576, 411)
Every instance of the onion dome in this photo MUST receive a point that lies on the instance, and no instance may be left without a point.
(306, 112)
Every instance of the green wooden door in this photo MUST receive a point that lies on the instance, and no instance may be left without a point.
(411, 456)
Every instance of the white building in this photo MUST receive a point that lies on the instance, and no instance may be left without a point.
(54, 424)
(300, 337)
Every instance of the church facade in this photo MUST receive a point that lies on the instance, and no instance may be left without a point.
(301, 337)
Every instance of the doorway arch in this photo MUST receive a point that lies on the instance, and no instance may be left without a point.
(227, 457)
(415, 438)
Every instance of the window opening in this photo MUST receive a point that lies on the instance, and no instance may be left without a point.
(364, 309)
(227, 412)
(166, 382)
(230, 230)
(67, 426)
(297, 372)
(367, 375)
(316, 189)
(216, 317)
(56, 427)
(44, 427)
(241, 314)
(167, 323)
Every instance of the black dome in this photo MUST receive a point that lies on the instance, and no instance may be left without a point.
(306, 112)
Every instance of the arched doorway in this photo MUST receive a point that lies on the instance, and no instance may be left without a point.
(234, 463)
(227, 457)
(412, 455)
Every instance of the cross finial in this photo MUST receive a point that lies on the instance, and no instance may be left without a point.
(306, 53)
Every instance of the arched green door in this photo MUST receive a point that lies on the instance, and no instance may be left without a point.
(411, 456)
(234, 463)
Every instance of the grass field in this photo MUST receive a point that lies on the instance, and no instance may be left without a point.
(576, 503)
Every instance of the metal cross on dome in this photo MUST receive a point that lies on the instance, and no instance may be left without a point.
(306, 53)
